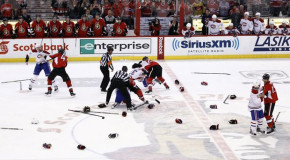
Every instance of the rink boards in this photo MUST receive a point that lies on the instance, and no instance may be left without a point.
(134, 48)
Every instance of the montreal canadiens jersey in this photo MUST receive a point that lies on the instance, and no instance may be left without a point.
(254, 102)
(137, 74)
(39, 55)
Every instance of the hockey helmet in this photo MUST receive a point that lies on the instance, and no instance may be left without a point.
(124, 68)
(61, 51)
(145, 58)
(214, 16)
(266, 76)
(5, 19)
(188, 25)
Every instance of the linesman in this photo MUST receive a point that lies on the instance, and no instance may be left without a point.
(105, 64)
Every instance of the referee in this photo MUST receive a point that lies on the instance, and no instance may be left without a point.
(105, 64)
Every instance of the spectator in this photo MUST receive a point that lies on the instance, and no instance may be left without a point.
(172, 8)
(89, 16)
(77, 10)
(119, 28)
(129, 12)
(246, 24)
(288, 8)
(109, 20)
(98, 26)
(155, 27)
(21, 28)
(256, 6)
(7, 10)
(259, 25)
(25, 16)
(233, 10)
(188, 30)
(244, 3)
(6, 29)
(68, 27)
(271, 29)
(106, 7)
(173, 27)
(224, 8)
(213, 6)
(205, 18)
(242, 9)
(231, 30)
(96, 8)
(284, 28)
(198, 8)
(276, 7)
(118, 9)
(236, 17)
(214, 26)
(83, 26)
(162, 8)
(188, 12)
(22, 4)
(146, 8)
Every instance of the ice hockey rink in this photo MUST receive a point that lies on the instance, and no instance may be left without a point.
(145, 134)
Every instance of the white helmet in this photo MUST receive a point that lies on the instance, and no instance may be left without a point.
(256, 85)
(258, 14)
(188, 25)
(231, 24)
(284, 22)
(214, 16)
(246, 13)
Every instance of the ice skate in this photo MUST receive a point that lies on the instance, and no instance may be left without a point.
(115, 105)
(48, 92)
(270, 130)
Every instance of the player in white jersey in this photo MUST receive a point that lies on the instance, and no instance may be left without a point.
(256, 109)
(246, 24)
(271, 29)
(188, 30)
(214, 26)
(259, 25)
(284, 28)
(41, 64)
(231, 30)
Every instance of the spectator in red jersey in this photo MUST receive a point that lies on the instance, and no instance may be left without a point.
(54, 27)
(172, 8)
(98, 26)
(119, 28)
(129, 12)
(146, 8)
(155, 27)
(21, 28)
(213, 6)
(6, 29)
(83, 26)
(68, 27)
(118, 9)
(38, 27)
(7, 10)
(162, 9)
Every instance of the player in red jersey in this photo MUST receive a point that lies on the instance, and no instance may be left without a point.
(98, 26)
(270, 97)
(83, 26)
(21, 28)
(38, 27)
(119, 28)
(6, 30)
(54, 27)
(154, 70)
(68, 27)
(59, 63)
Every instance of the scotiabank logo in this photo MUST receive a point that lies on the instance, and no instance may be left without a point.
(46, 47)
(4, 47)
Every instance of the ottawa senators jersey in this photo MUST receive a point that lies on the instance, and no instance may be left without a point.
(6, 30)
(68, 29)
(84, 28)
(270, 92)
(120, 29)
(150, 65)
(59, 60)
(98, 26)
(54, 28)
(38, 28)
(21, 29)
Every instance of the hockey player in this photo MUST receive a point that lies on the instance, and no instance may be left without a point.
(214, 26)
(21, 28)
(59, 63)
(105, 64)
(231, 30)
(154, 70)
(188, 30)
(38, 27)
(284, 28)
(271, 29)
(54, 27)
(98, 26)
(256, 110)
(246, 24)
(119, 28)
(41, 64)
(120, 81)
(259, 25)
(270, 97)
(6, 30)
(68, 27)
(83, 26)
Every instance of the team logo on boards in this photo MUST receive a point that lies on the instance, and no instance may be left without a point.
(274, 74)
(197, 44)
(4, 47)
(272, 43)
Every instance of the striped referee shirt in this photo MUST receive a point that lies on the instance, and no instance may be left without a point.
(107, 61)
(121, 75)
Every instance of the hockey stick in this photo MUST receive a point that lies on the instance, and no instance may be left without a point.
(12, 128)
(277, 116)
(226, 99)
(210, 73)
(86, 113)
(140, 105)
(105, 112)
(16, 81)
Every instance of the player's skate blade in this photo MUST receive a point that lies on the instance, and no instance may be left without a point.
(48, 92)
(252, 133)
(72, 94)
(30, 87)
(270, 130)
(115, 105)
